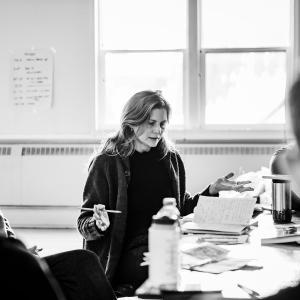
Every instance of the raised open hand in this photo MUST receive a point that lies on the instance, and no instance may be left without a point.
(224, 184)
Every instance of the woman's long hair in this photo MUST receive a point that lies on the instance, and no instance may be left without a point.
(135, 112)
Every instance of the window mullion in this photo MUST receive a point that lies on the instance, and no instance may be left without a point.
(191, 74)
(243, 50)
(201, 70)
(202, 93)
(100, 70)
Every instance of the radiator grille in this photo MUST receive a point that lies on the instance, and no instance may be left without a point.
(5, 151)
(228, 150)
(184, 150)
(49, 151)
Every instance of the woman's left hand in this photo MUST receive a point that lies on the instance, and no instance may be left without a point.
(35, 250)
(224, 184)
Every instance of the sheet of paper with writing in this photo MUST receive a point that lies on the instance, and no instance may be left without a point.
(223, 214)
(32, 78)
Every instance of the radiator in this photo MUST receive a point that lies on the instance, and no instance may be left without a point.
(41, 185)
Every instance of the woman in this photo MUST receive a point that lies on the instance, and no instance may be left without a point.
(135, 170)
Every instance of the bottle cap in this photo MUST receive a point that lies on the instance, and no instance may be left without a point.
(169, 201)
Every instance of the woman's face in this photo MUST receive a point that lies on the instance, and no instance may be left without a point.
(150, 132)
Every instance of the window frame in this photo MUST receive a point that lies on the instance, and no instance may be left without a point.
(195, 128)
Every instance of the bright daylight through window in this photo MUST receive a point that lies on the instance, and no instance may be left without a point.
(218, 62)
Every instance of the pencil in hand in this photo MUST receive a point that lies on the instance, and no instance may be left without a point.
(107, 210)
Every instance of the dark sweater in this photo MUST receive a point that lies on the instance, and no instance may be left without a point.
(149, 184)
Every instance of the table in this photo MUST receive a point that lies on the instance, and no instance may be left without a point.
(277, 267)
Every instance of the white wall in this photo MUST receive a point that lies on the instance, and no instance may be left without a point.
(67, 26)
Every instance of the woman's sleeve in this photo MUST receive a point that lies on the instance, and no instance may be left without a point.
(95, 192)
(6, 229)
(9, 230)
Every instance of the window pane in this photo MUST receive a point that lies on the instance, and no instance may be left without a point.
(245, 23)
(143, 24)
(128, 73)
(245, 88)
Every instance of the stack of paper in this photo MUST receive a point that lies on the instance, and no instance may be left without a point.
(225, 216)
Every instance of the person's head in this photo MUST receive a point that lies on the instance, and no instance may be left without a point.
(278, 162)
(294, 108)
(143, 121)
(293, 155)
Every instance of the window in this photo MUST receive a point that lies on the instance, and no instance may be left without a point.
(142, 46)
(222, 64)
(245, 59)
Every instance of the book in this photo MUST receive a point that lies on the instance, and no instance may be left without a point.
(281, 235)
(216, 229)
(217, 215)
(223, 239)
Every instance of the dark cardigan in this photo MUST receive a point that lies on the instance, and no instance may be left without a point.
(107, 184)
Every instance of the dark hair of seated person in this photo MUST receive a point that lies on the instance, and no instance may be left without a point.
(278, 166)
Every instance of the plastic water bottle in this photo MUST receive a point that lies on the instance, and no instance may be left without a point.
(164, 238)
(169, 208)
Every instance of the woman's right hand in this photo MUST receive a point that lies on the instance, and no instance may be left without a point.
(101, 217)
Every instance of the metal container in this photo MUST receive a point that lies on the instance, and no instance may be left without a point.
(281, 201)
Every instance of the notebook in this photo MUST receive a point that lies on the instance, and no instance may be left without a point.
(221, 215)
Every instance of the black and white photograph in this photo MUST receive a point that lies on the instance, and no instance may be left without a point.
(149, 149)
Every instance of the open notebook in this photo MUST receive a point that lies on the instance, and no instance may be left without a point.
(223, 215)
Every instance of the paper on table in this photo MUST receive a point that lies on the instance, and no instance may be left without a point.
(216, 210)
(224, 265)
(206, 250)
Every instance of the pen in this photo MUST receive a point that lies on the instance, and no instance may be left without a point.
(107, 210)
(250, 292)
